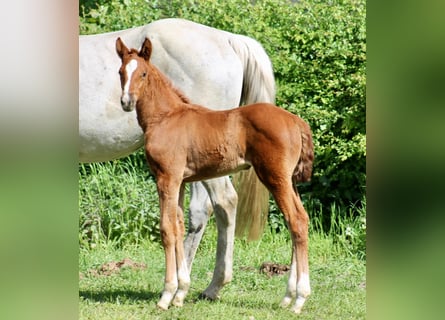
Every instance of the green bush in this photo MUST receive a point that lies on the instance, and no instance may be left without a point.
(118, 202)
(318, 51)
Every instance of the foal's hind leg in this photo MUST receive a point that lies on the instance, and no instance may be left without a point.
(298, 286)
(224, 200)
(199, 213)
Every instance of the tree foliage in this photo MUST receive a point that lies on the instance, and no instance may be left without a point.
(318, 51)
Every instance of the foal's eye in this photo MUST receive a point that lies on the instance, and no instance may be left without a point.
(144, 74)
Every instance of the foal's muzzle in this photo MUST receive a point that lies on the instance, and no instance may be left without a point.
(128, 102)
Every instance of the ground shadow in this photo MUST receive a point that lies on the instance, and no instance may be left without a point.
(132, 296)
(119, 295)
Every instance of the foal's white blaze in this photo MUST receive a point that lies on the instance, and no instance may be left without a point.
(129, 68)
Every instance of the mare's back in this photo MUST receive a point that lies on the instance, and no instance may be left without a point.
(197, 59)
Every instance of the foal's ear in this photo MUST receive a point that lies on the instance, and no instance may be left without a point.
(121, 49)
(146, 49)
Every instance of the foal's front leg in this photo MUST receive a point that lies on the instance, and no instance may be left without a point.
(172, 232)
(181, 261)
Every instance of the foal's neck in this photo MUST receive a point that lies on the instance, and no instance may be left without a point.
(160, 99)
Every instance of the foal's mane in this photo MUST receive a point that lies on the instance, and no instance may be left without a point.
(169, 84)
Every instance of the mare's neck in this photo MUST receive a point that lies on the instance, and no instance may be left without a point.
(160, 99)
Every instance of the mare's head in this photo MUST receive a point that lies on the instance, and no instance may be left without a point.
(133, 72)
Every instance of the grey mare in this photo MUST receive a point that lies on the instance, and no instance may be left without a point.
(213, 68)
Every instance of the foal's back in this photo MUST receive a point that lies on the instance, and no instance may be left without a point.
(252, 123)
(222, 142)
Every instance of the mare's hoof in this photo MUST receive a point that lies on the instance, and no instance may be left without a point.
(206, 296)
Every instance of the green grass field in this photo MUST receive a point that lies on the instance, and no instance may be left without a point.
(119, 217)
(337, 279)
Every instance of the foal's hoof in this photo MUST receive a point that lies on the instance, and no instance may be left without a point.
(298, 305)
(162, 306)
(178, 302)
(285, 302)
(296, 310)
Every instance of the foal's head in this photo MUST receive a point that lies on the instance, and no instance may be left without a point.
(133, 72)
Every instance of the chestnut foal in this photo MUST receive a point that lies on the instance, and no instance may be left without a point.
(186, 142)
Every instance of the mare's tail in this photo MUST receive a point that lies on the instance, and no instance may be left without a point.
(303, 170)
(258, 79)
(258, 86)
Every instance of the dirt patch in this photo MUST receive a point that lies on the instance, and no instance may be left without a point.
(114, 267)
(274, 269)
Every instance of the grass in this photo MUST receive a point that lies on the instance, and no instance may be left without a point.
(118, 202)
(337, 280)
(119, 217)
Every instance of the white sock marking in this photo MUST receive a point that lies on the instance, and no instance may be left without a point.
(303, 286)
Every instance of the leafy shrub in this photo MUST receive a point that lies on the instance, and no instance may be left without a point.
(118, 202)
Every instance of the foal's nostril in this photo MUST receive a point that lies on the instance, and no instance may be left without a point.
(127, 103)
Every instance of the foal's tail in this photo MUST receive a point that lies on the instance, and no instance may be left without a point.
(303, 170)
(258, 86)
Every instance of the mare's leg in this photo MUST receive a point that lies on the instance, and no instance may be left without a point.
(224, 200)
(200, 210)
(170, 227)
